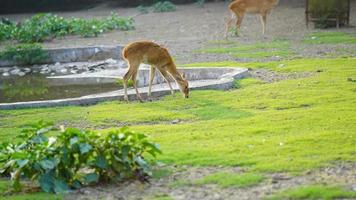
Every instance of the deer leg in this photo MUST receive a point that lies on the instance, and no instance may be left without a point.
(240, 17)
(126, 78)
(165, 77)
(152, 75)
(133, 78)
(228, 24)
(264, 22)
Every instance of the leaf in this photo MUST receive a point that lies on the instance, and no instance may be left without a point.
(46, 182)
(84, 148)
(22, 163)
(60, 187)
(76, 184)
(73, 140)
(100, 162)
(47, 164)
(91, 178)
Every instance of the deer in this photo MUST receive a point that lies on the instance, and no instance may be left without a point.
(238, 8)
(158, 58)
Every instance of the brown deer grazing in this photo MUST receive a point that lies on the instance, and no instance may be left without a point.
(238, 8)
(158, 57)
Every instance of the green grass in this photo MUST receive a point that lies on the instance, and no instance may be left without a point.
(246, 82)
(313, 118)
(161, 173)
(314, 192)
(330, 38)
(160, 197)
(5, 186)
(257, 50)
(224, 179)
(290, 126)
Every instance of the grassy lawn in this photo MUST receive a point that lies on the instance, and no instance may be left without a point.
(289, 126)
(224, 179)
(257, 50)
(314, 192)
(330, 38)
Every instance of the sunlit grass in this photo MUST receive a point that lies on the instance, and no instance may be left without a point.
(330, 38)
(256, 50)
(224, 179)
(314, 192)
(289, 126)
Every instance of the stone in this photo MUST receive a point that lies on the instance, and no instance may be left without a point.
(57, 64)
(110, 61)
(5, 74)
(64, 70)
(122, 64)
(15, 71)
(27, 70)
(21, 74)
(176, 121)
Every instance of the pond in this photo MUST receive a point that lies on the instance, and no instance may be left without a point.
(36, 87)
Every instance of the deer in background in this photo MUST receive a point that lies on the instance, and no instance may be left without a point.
(238, 8)
(158, 58)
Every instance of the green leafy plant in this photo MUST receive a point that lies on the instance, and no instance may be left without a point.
(24, 53)
(75, 158)
(164, 6)
(143, 9)
(6, 30)
(43, 27)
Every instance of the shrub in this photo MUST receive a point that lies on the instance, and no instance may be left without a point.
(24, 53)
(165, 6)
(75, 158)
(6, 31)
(143, 9)
(43, 27)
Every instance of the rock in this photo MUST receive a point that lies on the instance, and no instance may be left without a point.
(15, 71)
(57, 64)
(64, 70)
(52, 74)
(45, 68)
(176, 121)
(27, 70)
(110, 61)
(73, 71)
(43, 72)
(122, 64)
(5, 74)
(21, 74)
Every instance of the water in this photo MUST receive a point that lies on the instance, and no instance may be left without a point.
(35, 87)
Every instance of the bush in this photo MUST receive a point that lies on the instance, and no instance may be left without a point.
(6, 31)
(165, 6)
(75, 158)
(43, 27)
(24, 53)
(143, 9)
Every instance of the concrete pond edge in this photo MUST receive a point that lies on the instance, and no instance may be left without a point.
(224, 82)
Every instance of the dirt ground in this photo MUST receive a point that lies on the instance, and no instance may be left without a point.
(191, 27)
(343, 174)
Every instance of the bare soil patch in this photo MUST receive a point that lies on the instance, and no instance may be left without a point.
(342, 174)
